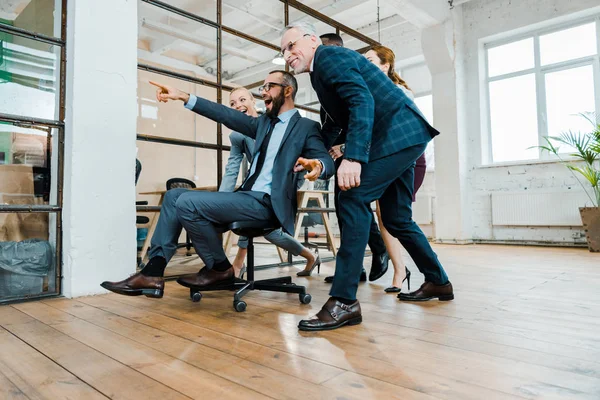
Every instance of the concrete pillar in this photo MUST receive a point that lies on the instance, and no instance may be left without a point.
(441, 47)
(99, 241)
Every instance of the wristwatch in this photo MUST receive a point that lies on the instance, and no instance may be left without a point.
(343, 148)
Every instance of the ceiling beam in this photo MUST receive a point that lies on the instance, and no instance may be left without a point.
(179, 34)
(421, 13)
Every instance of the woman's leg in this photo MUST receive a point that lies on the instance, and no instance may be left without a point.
(394, 249)
(287, 242)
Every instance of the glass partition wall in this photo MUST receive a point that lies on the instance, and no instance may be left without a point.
(208, 47)
(32, 112)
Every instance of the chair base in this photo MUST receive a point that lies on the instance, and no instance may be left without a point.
(282, 284)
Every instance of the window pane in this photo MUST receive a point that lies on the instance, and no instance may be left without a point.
(263, 21)
(27, 254)
(172, 119)
(29, 76)
(569, 93)
(35, 16)
(425, 104)
(513, 115)
(512, 57)
(25, 165)
(170, 41)
(568, 44)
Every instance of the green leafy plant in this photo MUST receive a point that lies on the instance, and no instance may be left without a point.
(587, 150)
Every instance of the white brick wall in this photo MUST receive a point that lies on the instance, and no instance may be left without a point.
(481, 19)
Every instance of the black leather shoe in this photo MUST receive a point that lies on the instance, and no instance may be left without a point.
(137, 285)
(363, 277)
(379, 266)
(333, 315)
(428, 291)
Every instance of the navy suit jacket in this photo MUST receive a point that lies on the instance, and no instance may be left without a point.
(375, 116)
(302, 138)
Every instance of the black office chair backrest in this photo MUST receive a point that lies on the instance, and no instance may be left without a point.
(138, 170)
(175, 183)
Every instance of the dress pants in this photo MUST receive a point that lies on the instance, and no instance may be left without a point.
(205, 215)
(391, 180)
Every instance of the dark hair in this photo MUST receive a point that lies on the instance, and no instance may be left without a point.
(334, 39)
(387, 56)
(288, 80)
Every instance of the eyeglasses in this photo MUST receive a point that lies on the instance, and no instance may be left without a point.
(267, 86)
(290, 45)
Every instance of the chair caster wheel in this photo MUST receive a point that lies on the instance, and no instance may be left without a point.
(196, 296)
(240, 306)
(305, 298)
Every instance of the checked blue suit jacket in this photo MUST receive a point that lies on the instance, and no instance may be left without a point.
(375, 116)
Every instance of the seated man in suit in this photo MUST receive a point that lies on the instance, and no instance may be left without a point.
(285, 143)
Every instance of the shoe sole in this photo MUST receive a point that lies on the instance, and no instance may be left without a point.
(350, 322)
(446, 297)
(223, 283)
(153, 293)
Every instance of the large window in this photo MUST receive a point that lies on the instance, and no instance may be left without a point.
(32, 53)
(537, 85)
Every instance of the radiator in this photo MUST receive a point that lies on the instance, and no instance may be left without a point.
(422, 210)
(538, 208)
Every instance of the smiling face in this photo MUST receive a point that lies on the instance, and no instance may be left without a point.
(242, 100)
(298, 49)
(372, 56)
(274, 97)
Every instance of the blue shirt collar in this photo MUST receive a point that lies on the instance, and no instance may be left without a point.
(286, 116)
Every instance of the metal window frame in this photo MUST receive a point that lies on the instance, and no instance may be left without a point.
(540, 72)
(59, 125)
(219, 86)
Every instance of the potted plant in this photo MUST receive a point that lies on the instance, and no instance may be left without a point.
(587, 151)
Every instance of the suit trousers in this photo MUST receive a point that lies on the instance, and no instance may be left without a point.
(376, 243)
(205, 215)
(391, 180)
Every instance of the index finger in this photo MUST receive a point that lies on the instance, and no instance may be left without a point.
(157, 84)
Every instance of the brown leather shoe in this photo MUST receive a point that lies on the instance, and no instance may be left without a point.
(137, 285)
(428, 291)
(207, 277)
(333, 315)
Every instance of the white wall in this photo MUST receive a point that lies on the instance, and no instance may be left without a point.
(482, 19)
(99, 194)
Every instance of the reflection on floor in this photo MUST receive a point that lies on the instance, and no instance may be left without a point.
(524, 325)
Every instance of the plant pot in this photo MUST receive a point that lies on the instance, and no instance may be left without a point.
(590, 216)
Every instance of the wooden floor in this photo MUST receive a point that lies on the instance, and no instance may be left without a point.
(525, 325)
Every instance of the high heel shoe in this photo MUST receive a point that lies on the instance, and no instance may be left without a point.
(308, 272)
(395, 289)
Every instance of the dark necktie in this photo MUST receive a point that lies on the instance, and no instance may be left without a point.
(262, 154)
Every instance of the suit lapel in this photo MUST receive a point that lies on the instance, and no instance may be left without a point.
(293, 121)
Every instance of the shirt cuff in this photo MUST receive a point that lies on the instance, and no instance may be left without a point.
(323, 174)
(191, 102)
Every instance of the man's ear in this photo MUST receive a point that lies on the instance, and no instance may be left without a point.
(289, 91)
